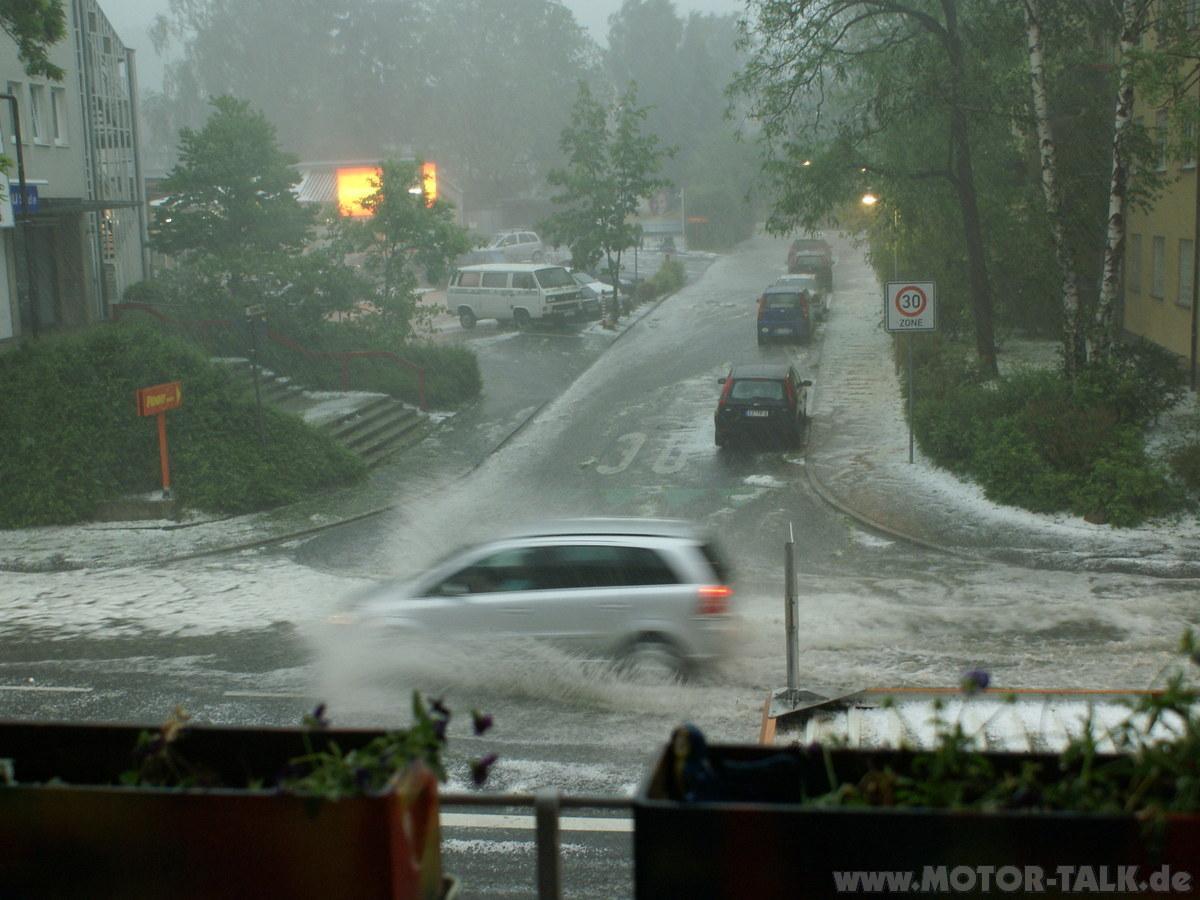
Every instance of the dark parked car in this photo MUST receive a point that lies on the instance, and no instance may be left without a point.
(784, 311)
(762, 401)
(812, 255)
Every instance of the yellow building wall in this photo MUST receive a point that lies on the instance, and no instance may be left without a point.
(1166, 319)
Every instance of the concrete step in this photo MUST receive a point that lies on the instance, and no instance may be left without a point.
(408, 438)
(350, 422)
(369, 430)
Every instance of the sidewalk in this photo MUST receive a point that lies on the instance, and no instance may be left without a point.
(858, 461)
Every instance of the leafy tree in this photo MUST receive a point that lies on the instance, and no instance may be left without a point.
(804, 52)
(610, 168)
(231, 194)
(406, 234)
(36, 26)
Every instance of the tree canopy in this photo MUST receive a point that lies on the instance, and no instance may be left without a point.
(36, 26)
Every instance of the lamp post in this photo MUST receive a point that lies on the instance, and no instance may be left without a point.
(32, 285)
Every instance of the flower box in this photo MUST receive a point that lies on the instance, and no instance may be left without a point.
(68, 828)
(761, 836)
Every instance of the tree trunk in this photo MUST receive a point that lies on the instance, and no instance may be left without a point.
(964, 181)
(1074, 348)
(1133, 18)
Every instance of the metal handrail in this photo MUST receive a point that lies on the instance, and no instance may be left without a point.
(342, 356)
(546, 806)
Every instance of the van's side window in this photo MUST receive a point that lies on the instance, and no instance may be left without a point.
(468, 279)
(523, 281)
(495, 279)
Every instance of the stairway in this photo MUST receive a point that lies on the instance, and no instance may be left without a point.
(373, 426)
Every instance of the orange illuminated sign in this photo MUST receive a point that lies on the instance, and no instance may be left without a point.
(355, 184)
(157, 399)
(429, 182)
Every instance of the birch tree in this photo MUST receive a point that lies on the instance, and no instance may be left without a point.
(1074, 347)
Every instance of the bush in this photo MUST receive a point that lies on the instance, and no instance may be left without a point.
(72, 438)
(1185, 464)
(669, 278)
(1037, 441)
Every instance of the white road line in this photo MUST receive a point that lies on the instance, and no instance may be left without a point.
(281, 694)
(45, 688)
(526, 823)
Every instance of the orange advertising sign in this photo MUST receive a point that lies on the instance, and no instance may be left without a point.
(429, 182)
(158, 399)
(355, 184)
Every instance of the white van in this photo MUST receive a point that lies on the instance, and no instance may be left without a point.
(516, 292)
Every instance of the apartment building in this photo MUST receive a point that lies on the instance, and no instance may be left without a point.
(75, 238)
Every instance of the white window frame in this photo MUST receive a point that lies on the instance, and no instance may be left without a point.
(37, 113)
(1189, 135)
(1187, 250)
(1158, 267)
(58, 116)
(1135, 264)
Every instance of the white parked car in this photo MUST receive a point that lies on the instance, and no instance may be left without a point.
(648, 592)
(518, 246)
(596, 294)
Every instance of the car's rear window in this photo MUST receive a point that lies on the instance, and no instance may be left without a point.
(784, 301)
(756, 389)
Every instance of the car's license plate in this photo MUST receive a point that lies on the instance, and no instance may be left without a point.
(758, 413)
(783, 331)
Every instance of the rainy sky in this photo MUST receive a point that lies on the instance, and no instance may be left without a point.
(132, 17)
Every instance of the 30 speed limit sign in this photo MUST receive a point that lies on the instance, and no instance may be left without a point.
(909, 306)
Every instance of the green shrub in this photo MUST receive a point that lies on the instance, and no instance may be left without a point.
(670, 277)
(1140, 381)
(72, 438)
(1124, 487)
(1185, 464)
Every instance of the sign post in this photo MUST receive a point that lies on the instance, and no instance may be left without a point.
(908, 307)
(155, 401)
(256, 321)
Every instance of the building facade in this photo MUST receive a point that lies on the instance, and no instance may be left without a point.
(72, 242)
(1161, 242)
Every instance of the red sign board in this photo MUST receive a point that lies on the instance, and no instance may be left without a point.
(157, 399)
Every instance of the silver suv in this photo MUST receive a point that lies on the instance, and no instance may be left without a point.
(647, 592)
(518, 246)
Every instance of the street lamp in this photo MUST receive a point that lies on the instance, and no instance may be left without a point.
(870, 200)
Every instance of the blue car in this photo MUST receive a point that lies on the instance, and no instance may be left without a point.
(784, 313)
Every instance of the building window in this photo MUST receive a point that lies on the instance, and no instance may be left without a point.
(1186, 260)
(1191, 12)
(37, 107)
(1134, 275)
(58, 116)
(1158, 267)
(1189, 141)
(1160, 140)
(14, 89)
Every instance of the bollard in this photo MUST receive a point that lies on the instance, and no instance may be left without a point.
(789, 612)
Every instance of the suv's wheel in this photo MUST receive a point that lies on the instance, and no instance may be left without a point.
(466, 317)
(521, 319)
(652, 659)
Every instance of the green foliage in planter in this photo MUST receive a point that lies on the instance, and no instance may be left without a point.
(72, 438)
(328, 772)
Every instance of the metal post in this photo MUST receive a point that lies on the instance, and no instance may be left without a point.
(789, 611)
(549, 860)
(163, 457)
(253, 317)
(1195, 272)
(895, 243)
(910, 398)
(25, 230)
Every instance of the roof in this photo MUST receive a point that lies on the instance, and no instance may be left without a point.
(778, 288)
(509, 267)
(679, 528)
(761, 370)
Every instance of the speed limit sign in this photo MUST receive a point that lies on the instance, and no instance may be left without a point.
(909, 306)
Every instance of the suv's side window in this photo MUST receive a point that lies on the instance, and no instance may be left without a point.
(495, 279)
(528, 237)
(523, 281)
(591, 566)
(468, 279)
(508, 570)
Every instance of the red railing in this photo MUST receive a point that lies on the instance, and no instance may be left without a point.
(343, 357)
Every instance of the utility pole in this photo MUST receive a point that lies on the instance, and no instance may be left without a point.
(25, 230)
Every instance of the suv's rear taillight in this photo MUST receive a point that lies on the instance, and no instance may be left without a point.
(713, 600)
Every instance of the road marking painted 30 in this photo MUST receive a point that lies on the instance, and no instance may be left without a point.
(670, 459)
(526, 823)
(630, 444)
